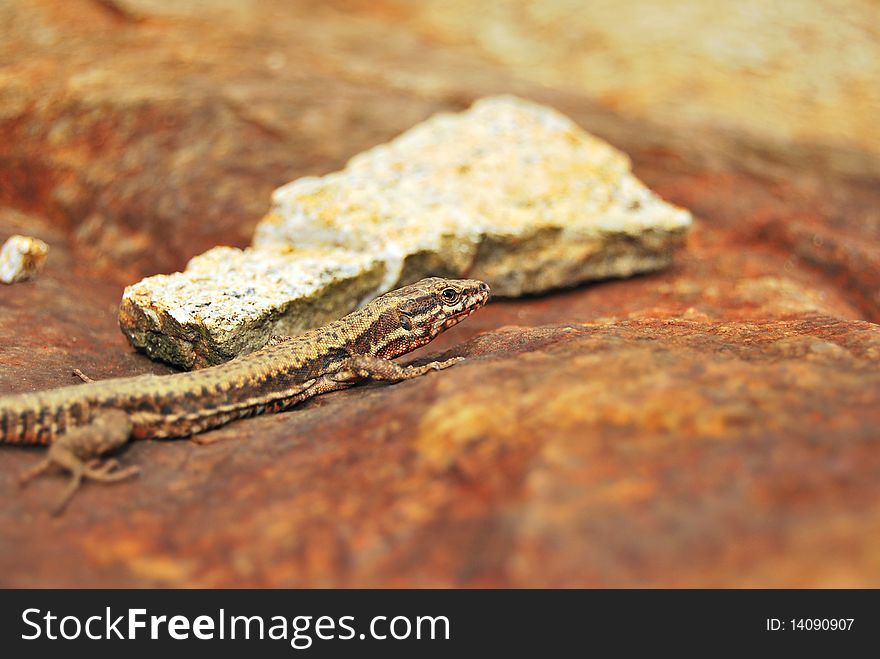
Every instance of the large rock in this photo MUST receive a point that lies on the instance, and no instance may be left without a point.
(510, 192)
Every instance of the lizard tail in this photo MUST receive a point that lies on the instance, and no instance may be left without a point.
(25, 419)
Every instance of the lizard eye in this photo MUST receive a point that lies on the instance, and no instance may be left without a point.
(449, 295)
(405, 322)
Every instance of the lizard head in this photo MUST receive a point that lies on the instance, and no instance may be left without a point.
(421, 311)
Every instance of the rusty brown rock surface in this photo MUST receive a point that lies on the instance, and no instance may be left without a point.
(711, 425)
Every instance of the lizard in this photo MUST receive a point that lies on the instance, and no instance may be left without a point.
(82, 423)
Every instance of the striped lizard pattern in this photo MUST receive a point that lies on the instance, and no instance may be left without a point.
(83, 422)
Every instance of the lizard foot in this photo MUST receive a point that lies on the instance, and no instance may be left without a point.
(378, 369)
(439, 366)
(107, 471)
(82, 376)
(77, 452)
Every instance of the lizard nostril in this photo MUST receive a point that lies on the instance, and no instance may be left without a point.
(484, 287)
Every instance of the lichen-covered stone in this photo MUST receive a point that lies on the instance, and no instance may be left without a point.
(229, 301)
(22, 258)
(509, 192)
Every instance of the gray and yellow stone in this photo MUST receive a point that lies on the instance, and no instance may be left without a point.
(229, 302)
(509, 192)
(22, 258)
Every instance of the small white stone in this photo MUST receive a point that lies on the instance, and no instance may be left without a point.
(22, 258)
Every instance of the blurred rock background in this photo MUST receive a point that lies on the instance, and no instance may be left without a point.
(775, 72)
(714, 424)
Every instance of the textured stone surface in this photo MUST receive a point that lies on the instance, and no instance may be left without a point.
(22, 258)
(713, 424)
(509, 192)
(228, 301)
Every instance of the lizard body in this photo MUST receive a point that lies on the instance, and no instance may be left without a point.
(82, 422)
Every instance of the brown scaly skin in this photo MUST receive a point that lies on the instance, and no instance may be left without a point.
(83, 422)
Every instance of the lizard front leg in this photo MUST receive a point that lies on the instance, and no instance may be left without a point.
(78, 450)
(376, 368)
